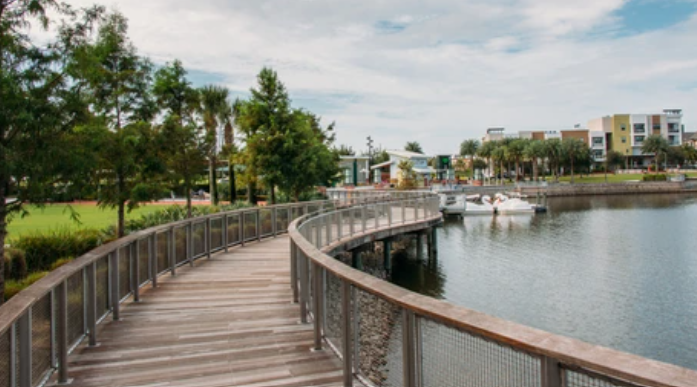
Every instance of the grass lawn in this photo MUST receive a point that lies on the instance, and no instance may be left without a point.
(56, 216)
(600, 178)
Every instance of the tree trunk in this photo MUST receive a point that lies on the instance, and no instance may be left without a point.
(535, 172)
(187, 187)
(3, 235)
(572, 170)
(212, 180)
(273, 194)
(251, 193)
(296, 196)
(517, 171)
(233, 187)
(121, 225)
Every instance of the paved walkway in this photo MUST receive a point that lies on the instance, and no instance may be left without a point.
(226, 322)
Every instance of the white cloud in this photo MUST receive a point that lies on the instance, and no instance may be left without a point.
(452, 68)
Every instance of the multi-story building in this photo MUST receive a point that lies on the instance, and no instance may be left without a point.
(626, 133)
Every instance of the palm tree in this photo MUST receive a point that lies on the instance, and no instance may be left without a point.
(515, 150)
(573, 149)
(413, 147)
(553, 151)
(216, 112)
(469, 148)
(655, 144)
(690, 153)
(499, 154)
(533, 152)
(486, 151)
(406, 169)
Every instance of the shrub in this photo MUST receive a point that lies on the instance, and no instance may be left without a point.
(12, 287)
(15, 264)
(61, 262)
(659, 177)
(43, 250)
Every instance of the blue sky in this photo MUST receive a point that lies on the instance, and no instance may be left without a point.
(436, 72)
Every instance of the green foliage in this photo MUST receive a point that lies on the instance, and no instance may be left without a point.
(216, 113)
(286, 147)
(43, 250)
(469, 148)
(657, 145)
(656, 177)
(15, 263)
(345, 150)
(413, 146)
(13, 287)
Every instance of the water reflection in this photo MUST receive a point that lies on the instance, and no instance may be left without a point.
(618, 271)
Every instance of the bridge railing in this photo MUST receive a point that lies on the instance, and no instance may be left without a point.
(43, 323)
(388, 336)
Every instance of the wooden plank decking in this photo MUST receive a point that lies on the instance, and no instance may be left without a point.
(228, 321)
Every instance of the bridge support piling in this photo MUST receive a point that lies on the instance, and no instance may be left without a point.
(387, 254)
(357, 259)
(419, 245)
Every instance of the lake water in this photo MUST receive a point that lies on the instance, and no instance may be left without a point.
(620, 272)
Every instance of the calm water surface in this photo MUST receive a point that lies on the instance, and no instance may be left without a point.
(620, 272)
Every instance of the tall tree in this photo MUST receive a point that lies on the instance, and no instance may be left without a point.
(118, 81)
(554, 151)
(345, 150)
(39, 104)
(486, 151)
(413, 146)
(216, 113)
(184, 147)
(574, 150)
(534, 152)
(515, 153)
(690, 153)
(263, 119)
(657, 145)
(469, 148)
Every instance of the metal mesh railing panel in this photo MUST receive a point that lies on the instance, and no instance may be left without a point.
(143, 261)
(199, 230)
(124, 272)
(282, 219)
(103, 302)
(5, 358)
(332, 310)
(266, 221)
(216, 233)
(250, 226)
(379, 340)
(312, 208)
(578, 378)
(76, 307)
(180, 244)
(233, 229)
(451, 357)
(162, 251)
(41, 338)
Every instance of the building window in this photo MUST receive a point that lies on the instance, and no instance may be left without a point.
(639, 128)
(623, 127)
(673, 128)
(639, 140)
(597, 141)
(624, 140)
(656, 126)
(348, 176)
(598, 154)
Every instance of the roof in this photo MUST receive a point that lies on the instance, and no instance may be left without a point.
(354, 158)
(381, 165)
(686, 136)
(407, 154)
(424, 170)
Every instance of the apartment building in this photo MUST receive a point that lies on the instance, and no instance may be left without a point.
(626, 133)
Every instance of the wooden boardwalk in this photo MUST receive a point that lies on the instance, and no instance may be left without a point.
(228, 321)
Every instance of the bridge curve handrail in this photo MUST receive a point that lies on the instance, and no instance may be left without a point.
(515, 354)
(44, 322)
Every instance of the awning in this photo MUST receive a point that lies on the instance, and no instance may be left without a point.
(382, 165)
(424, 171)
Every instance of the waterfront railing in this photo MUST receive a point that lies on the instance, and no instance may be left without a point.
(388, 336)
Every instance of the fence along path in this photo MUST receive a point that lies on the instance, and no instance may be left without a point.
(227, 321)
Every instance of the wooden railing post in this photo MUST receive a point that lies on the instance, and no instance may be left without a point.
(225, 232)
(208, 237)
(91, 301)
(153, 261)
(258, 225)
(317, 296)
(115, 299)
(304, 286)
(135, 264)
(274, 223)
(294, 270)
(551, 373)
(243, 233)
(190, 243)
(172, 251)
(408, 348)
(62, 332)
(346, 347)
(25, 361)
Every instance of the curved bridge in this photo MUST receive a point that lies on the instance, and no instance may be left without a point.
(213, 301)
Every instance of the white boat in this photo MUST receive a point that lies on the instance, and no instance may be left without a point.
(485, 208)
(504, 205)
